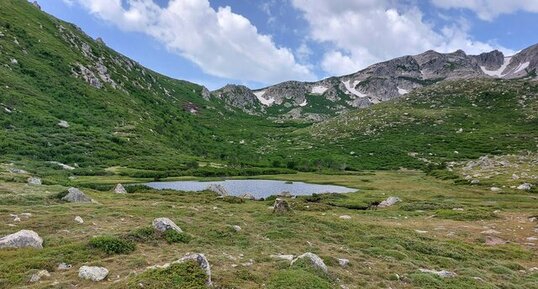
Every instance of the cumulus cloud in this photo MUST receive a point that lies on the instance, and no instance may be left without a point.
(363, 32)
(489, 9)
(222, 43)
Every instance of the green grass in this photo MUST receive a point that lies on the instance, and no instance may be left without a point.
(186, 275)
(112, 245)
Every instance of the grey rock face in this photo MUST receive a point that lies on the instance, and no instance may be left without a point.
(88, 76)
(163, 224)
(76, 196)
(523, 63)
(314, 259)
(92, 273)
(238, 96)
(490, 60)
(281, 206)
(22, 239)
(119, 189)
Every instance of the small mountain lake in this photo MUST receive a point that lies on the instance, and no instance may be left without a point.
(257, 188)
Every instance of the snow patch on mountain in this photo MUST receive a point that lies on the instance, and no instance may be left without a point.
(319, 89)
(351, 88)
(522, 67)
(265, 101)
(498, 72)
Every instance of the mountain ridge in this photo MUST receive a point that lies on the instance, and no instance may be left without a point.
(378, 82)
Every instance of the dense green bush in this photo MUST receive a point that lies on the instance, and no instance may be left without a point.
(112, 245)
(172, 236)
(186, 275)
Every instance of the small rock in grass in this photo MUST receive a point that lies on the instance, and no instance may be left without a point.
(345, 217)
(92, 273)
(34, 181)
(493, 240)
(314, 259)
(63, 123)
(524, 187)
(119, 189)
(343, 262)
(391, 201)
(219, 189)
(39, 275)
(283, 257)
(76, 196)
(490, 232)
(64, 266)
(281, 206)
(442, 273)
(199, 258)
(495, 189)
(79, 220)
(236, 228)
(163, 224)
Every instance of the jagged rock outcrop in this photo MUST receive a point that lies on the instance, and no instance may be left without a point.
(281, 206)
(314, 260)
(119, 189)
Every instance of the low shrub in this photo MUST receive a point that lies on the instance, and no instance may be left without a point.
(112, 245)
(172, 236)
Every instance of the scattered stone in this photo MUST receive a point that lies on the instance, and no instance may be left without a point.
(64, 166)
(532, 239)
(163, 224)
(495, 189)
(39, 275)
(76, 196)
(63, 123)
(92, 273)
(236, 228)
(79, 220)
(285, 194)
(314, 259)
(283, 257)
(442, 273)
(17, 171)
(249, 263)
(119, 189)
(490, 232)
(524, 187)
(458, 209)
(15, 218)
(281, 206)
(389, 202)
(420, 232)
(64, 266)
(219, 189)
(14, 61)
(22, 239)
(493, 240)
(475, 182)
(199, 258)
(343, 262)
(34, 181)
(248, 196)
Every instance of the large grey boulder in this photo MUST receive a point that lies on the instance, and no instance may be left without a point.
(219, 189)
(314, 259)
(163, 224)
(22, 239)
(92, 273)
(281, 206)
(391, 201)
(34, 181)
(76, 196)
(119, 189)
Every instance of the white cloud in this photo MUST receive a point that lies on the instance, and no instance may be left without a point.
(489, 9)
(363, 32)
(222, 43)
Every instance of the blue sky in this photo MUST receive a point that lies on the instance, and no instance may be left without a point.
(258, 43)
